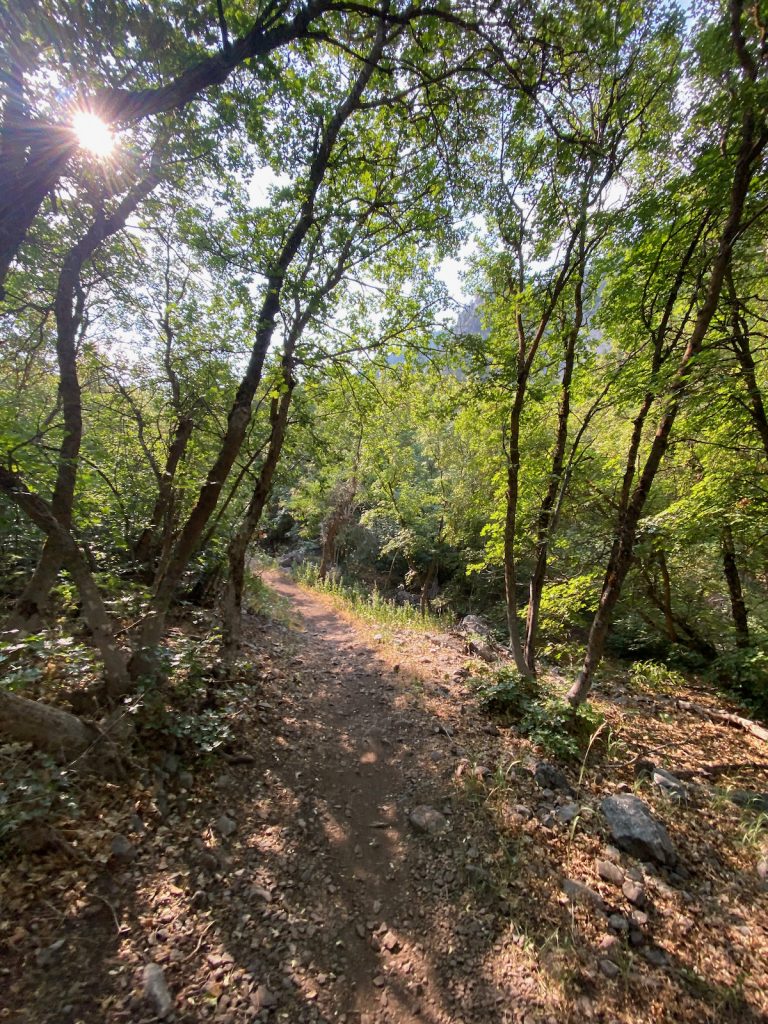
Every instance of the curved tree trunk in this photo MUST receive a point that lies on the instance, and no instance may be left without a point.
(154, 538)
(94, 612)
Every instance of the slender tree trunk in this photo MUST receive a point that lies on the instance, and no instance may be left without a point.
(510, 524)
(735, 592)
(338, 517)
(753, 139)
(666, 590)
(424, 601)
(232, 599)
(546, 522)
(743, 351)
(154, 537)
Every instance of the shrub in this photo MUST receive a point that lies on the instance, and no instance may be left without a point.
(656, 676)
(545, 718)
(744, 673)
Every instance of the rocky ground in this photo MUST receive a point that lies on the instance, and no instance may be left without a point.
(373, 848)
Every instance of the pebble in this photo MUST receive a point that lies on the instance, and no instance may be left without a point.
(156, 990)
(567, 813)
(427, 820)
(610, 872)
(122, 849)
(608, 968)
(225, 826)
(634, 893)
(263, 999)
(577, 892)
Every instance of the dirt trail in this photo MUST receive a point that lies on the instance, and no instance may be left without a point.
(366, 776)
(284, 880)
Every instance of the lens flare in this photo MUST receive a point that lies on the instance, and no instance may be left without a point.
(93, 134)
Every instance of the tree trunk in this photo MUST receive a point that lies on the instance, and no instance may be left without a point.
(546, 523)
(94, 612)
(155, 536)
(424, 602)
(735, 592)
(57, 732)
(669, 618)
(753, 140)
(232, 599)
(339, 515)
(510, 522)
(743, 351)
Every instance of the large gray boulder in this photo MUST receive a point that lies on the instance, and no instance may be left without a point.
(635, 830)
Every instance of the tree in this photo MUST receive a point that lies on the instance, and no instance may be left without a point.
(746, 135)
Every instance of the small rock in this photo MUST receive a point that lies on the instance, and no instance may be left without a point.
(48, 956)
(635, 830)
(208, 861)
(427, 820)
(263, 999)
(567, 813)
(618, 923)
(379, 981)
(546, 776)
(186, 780)
(669, 783)
(122, 849)
(636, 937)
(577, 892)
(655, 955)
(610, 872)
(608, 968)
(225, 826)
(634, 893)
(390, 942)
(474, 625)
(156, 990)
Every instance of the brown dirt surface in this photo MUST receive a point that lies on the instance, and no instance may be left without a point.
(284, 881)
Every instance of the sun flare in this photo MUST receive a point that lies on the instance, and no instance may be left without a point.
(93, 134)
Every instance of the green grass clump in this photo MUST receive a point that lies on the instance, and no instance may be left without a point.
(370, 606)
